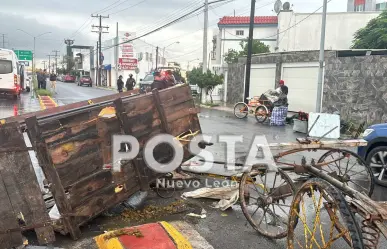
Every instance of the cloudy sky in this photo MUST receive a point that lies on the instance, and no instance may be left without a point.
(72, 19)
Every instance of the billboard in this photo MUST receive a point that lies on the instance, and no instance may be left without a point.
(126, 53)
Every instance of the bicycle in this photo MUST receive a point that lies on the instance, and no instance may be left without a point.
(261, 109)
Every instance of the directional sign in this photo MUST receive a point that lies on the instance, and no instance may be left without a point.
(25, 63)
(25, 55)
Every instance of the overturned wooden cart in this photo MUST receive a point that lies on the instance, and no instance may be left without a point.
(73, 147)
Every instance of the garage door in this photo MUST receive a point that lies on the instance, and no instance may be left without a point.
(261, 79)
(302, 84)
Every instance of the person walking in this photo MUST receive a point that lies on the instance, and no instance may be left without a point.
(53, 82)
(120, 84)
(130, 83)
(40, 78)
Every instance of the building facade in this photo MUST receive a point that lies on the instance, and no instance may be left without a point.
(294, 34)
(234, 29)
(366, 5)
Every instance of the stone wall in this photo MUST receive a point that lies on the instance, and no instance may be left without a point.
(357, 87)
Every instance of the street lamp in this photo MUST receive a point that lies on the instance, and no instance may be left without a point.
(33, 55)
(191, 61)
(176, 42)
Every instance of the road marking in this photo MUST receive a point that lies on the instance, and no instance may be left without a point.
(180, 241)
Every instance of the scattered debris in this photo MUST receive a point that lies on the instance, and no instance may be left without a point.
(152, 212)
(202, 215)
(223, 214)
(123, 231)
(137, 200)
(228, 196)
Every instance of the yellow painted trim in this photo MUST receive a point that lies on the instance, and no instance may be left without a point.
(53, 101)
(42, 106)
(112, 243)
(180, 241)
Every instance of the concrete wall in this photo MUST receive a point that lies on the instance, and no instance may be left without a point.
(340, 29)
(227, 38)
(357, 87)
(235, 85)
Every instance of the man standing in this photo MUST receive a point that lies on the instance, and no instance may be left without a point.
(40, 77)
(44, 79)
(280, 110)
(120, 84)
(53, 81)
(130, 83)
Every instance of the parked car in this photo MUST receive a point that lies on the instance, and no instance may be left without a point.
(375, 153)
(11, 72)
(146, 82)
(85, 80)
(69, 78)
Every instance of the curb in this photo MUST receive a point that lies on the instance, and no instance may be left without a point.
(46, 102)
(159, 235)
(105, 88)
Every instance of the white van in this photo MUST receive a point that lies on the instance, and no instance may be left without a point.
(10, 73)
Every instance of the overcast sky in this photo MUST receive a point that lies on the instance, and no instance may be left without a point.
(71, 19)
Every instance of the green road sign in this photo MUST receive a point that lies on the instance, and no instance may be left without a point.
(25, 55)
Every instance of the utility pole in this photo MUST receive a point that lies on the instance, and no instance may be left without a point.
(205, 34)
(97, 61)
(249, 52)
(157, 56)
(68, 42)
(44, 64)
(117, 51)
(100, 31)
(56, 60)
(49, 62)
(321, 58)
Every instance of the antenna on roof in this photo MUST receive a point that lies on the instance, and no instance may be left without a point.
(234, 12)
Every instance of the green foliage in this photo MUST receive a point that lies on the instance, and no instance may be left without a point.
(258, 48)
(207, 81)
(372, 36)
(43, 92)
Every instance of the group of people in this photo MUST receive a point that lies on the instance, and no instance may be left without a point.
(42, 76)
(161, 81)
(130, 83)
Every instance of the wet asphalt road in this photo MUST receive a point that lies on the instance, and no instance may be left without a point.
(227, 229)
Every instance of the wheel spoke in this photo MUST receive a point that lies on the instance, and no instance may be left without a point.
(381, 175)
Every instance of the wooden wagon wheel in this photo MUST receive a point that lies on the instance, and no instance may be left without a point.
(265, 201)
(321, 218)
(347, 167)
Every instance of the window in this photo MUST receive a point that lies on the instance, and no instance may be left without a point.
(239, 32)
(378, 6)
(149, 77)
(5, 66)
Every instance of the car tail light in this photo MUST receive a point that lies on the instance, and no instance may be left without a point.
(15, 79)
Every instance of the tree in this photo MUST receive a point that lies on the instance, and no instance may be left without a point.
(207, 81)
(258, 48)
(372, 36)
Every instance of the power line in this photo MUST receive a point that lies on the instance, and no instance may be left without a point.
(131, 6)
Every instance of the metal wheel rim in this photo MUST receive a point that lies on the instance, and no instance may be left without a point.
(261, 118)
(238, 110)
(378, 163)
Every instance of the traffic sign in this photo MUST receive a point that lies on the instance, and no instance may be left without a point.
(25, 55)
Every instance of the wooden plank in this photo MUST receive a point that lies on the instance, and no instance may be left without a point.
(174, 96)
(127, 127)
(105, 199)
(160, 110)
(87, 162)
(23, 189)
(89, 185)
(8, 220)
(321, 144)
(52, 177)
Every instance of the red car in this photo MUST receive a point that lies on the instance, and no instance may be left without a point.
(69, 78)
(85, 80)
